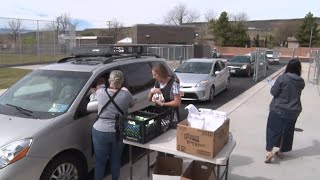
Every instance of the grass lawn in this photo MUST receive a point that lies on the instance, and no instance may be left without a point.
(27, 58)
(8, 76)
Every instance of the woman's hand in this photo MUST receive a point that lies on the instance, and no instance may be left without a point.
(155, 90)
(159, 102)
(124, 88)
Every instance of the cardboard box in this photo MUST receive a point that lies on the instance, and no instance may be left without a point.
(167, 168)
(200, 142)
(198, 170)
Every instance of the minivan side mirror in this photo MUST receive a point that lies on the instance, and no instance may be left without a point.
(92, 107)
(216, 72)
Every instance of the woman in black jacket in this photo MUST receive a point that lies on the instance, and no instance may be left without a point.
(285, 108)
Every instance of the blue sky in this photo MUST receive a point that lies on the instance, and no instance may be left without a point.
(96, 13)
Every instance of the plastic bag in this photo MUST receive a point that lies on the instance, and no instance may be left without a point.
(213, 119)
(194, 119)
(206, 119)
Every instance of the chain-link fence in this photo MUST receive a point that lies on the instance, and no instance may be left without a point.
(25, 41)
(284, 53)
(167, 51)
(175, 54)
(314, 68)
(260, 60)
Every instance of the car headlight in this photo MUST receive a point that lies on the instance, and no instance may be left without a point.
(202, 83)
(14, 151)
(244, 66)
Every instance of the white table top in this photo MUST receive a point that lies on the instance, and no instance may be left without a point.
(167, 143)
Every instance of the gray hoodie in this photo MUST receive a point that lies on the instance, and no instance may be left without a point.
(286, 93)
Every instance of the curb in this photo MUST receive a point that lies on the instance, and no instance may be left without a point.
(236, 102)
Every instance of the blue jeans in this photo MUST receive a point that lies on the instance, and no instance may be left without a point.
(106, 148)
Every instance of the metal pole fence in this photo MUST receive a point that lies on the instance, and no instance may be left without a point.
(24, 41)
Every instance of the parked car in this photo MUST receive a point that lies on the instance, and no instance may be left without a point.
(273, 57)
(45, 127)
(202, 79)
(263, 58)
(241, 65)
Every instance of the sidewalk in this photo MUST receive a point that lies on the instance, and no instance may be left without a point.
(248, 113)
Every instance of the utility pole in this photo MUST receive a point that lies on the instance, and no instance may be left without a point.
(310, 53)
(109, 24)
(310, 44)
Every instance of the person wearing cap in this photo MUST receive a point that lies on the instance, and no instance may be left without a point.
(104, 133)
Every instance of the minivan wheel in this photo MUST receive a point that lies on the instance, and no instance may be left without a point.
(211, 95)
(65, 168)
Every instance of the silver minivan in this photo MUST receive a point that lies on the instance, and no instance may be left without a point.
(45, 127)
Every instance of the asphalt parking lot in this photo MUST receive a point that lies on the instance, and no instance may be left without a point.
(238, 85)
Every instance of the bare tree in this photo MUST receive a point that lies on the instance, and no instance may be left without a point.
(14, 27)
(115, 28)
(286, 30)
(181, 14)
(63, 23)
(239, 17)
(210, 15)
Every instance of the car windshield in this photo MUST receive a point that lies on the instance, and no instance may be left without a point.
(269, 52)
(43, 94)
(195, 67)
(240, 59)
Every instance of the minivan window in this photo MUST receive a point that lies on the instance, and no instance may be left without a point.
(43, 93)
(138, 77)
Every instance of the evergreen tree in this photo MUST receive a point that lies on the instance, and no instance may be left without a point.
(239, 36)
(256, 41)
(221, 29)
(227, 34)
(304, 32)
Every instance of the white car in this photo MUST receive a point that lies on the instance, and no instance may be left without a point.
(202, 79)
(273, 57)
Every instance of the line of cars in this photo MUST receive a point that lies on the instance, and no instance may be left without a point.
(245, 64)
(201, 78)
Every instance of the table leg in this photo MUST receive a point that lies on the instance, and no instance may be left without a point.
(218, 172)
(148, 163)
(130, 156)
(227, 170)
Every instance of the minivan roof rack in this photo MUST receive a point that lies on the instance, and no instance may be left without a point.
(111, 53)
(107, 51)
(114, 58)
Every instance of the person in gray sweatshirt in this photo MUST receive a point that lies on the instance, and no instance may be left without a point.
(113, 103)
(285, 108)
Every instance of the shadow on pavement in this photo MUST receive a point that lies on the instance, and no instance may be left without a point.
(313, 150)
(237, 160)
(237, 177)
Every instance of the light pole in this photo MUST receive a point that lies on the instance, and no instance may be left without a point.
(310, 38)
